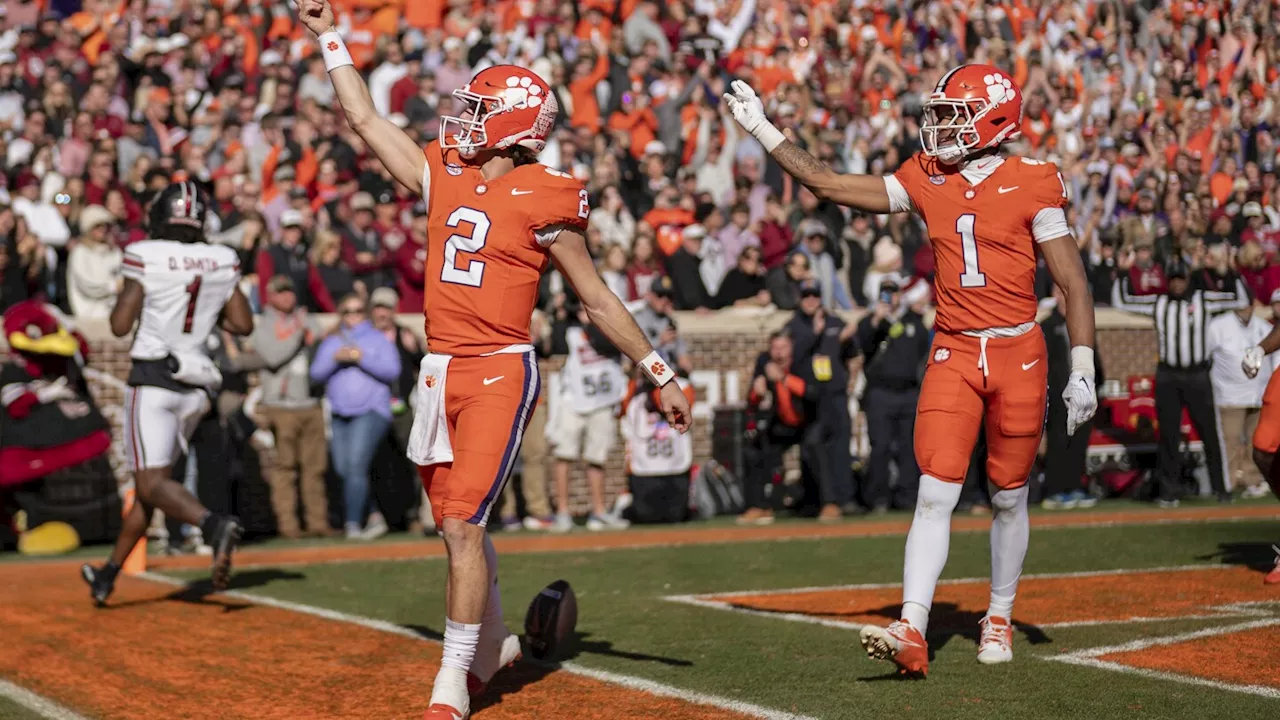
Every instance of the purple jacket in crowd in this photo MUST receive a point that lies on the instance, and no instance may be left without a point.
(363, 387)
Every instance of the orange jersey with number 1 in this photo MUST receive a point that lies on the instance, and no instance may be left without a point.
(982, 237)
(484, 258)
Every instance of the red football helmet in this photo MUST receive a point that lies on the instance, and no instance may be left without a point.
(503, 105)
(974, 107)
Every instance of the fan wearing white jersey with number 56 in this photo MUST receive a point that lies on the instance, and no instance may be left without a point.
(988, 216)
(178, 289)
(584, 421)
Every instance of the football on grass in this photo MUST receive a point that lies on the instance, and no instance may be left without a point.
(553, 615)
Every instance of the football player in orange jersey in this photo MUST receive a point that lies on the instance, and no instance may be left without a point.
(987, 214)
(495, 219)
(1266, 437)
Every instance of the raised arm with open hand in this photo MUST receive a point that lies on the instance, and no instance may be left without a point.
(861, 192)
(393, 147)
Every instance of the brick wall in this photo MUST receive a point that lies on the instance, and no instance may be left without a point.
(723, 346)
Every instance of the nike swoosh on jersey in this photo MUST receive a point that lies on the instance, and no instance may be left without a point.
(492, 380)
(1002, 189)
(1028, 366)
(521, 192)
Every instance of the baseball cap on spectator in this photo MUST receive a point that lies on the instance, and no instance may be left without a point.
(693, 232)
(452, 43)
(7, 58)
(663, 287)
(1146, 194)
(1107, 142)
(1097, 167)
(270, 58)
(234, 81)
(93, 216)
(1144, 242)
(281, 283)
(298, 193)
(655, 147)
(386, 197)
(1203, 105)
(810, 289)
(284, 172)
(290, 218)
(1240, 184)
(811, 227)
(384, 297)
(1252, 209)
(362, 201)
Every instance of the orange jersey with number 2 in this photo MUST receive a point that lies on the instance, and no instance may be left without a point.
(982, 240)
(484, 257)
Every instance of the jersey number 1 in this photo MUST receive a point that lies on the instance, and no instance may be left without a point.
(193, 294)
(972, 277)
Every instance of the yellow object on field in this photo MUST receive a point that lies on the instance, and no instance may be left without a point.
(51, 538)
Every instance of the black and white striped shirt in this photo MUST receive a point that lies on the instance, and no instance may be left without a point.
(1181, 323)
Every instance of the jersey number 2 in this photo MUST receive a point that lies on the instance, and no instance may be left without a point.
(474, 272)
(972, 277)
(193, 294)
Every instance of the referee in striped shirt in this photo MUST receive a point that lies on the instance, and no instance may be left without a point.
(1182, 377)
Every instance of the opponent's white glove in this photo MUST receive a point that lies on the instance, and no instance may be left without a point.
(1080, 395)
(746, 108)
(1252, 362)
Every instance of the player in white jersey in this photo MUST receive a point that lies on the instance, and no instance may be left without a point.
(177, 291)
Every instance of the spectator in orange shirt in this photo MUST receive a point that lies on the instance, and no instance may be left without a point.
(587, 74)
(636, 118)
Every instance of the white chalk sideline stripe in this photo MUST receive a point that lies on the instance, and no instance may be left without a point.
(628, 681)
(37, 703)
(1089, 657)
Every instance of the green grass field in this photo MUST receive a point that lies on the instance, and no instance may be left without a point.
(1159, 616)
(627, 626)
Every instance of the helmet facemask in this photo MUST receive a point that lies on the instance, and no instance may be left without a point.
(949, 129)
(465, 132)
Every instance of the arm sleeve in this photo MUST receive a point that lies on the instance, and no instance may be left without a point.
(560, 204)
(133, 266)
(1046, 217)
(266, 269)
(1122, 300)
(899, 200)
(323, 365)
(380, 359)
(1221, 301)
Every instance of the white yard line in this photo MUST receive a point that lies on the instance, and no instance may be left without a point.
(36, 703)
(627, 681)
(1089, 657)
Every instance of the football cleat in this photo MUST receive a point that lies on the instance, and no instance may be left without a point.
(902, 643)
(996, 644)
(440, 711)
(224, 538)
(509, 654)
(1273, 577)
(102, 582)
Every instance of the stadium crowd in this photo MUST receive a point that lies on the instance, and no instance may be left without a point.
(1159, 115)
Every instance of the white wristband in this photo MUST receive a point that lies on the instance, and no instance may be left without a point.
(1082, 360)
(334, 51)
(768, 135)
(657, 369)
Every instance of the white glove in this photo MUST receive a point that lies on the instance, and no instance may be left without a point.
(54, 391)
(1252, 362)
(746, 108)
(1080, 395)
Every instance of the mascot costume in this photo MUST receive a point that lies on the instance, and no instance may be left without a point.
(55, 477)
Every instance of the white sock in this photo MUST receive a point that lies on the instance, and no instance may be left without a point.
(927, 545)
(1010, 535)
(459, 649)
(493, 630)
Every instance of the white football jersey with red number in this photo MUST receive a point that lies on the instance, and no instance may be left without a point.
(186, 285)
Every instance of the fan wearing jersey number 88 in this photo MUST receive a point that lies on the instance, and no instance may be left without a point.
(582, 423)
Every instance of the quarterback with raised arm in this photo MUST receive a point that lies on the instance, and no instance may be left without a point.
(987, 215)
(496, 218)
(1266, 437)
